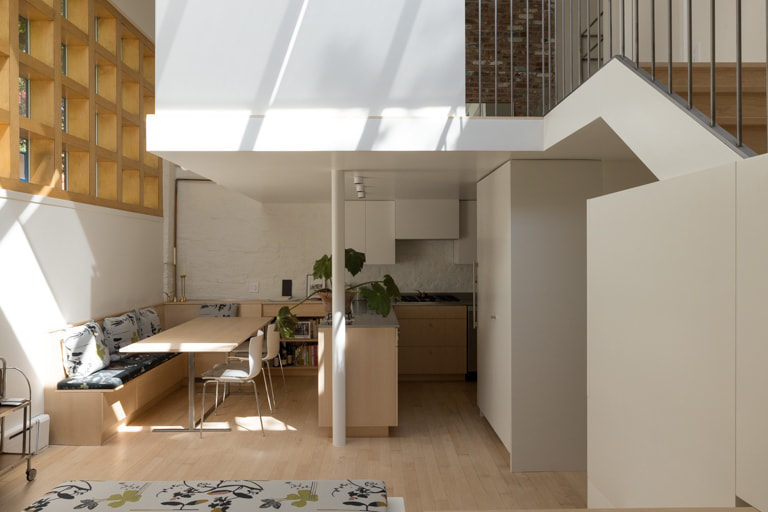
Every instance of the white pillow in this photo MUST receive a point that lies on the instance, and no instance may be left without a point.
(218, 309)
(84, 350)
(148, 322)
(120, 331)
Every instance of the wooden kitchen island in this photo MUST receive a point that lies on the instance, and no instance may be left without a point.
(371, 375)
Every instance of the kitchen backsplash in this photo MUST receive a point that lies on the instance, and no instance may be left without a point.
(226, 242)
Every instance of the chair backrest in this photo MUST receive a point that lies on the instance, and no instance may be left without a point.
(273, 342)
(255, 346)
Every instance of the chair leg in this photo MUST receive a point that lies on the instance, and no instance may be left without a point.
(266, 388)
(202, 408)
(272, 386)
(285, 388)
(258, 407)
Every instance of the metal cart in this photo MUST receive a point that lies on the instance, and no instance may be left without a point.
(9, 406)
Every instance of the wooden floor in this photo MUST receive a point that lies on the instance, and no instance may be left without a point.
(443, 456)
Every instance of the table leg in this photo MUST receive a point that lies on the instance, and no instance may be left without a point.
(191, 390)
(191, 404)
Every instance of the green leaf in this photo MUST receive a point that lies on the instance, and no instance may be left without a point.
(286, 322)
(377, 298)
(322, 268)
(353, 261)
(392, 290)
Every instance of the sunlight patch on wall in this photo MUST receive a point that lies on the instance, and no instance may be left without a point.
(26, 298)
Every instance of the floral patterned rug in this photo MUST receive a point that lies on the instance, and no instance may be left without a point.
(215, 496)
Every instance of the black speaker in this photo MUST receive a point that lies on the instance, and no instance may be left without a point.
(287, 288)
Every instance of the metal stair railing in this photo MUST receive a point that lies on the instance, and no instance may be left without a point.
(578, 37)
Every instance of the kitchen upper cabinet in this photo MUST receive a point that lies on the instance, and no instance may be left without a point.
(427, 219)
(465, 248)
(369, 227)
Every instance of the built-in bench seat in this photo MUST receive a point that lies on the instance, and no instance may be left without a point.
(117, 373)
(89, 407)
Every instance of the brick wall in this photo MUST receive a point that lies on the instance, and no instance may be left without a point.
(500, 35)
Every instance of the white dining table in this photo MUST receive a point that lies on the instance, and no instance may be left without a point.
(201, 334)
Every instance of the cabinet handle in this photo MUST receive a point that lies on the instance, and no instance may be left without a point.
(493, 317)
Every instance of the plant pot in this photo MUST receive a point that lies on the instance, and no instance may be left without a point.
(328, 301)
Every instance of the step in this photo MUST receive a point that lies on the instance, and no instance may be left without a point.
(753, 104)
(752, 74)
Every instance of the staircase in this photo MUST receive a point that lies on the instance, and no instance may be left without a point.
(753, 96)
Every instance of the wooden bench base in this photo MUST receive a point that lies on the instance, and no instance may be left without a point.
(90, 417)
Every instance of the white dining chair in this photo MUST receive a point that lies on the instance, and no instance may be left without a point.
(237, 373)
(273, 351)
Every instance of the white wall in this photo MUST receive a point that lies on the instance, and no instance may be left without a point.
(65, 263)
(360, 55)
(532, 368)
(661, 317)
(548, 313)
(227, 240)
(752, 325)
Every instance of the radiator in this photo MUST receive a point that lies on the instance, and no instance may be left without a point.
(39, 428)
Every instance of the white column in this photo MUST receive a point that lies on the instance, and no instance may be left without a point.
(339, 322)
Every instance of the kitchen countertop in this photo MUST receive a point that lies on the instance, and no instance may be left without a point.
(369, 320)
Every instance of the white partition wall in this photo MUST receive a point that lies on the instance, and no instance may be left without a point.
(661, 337)
(532, 309)
(752, 326)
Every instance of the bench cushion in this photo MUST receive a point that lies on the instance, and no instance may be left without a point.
(117, 373)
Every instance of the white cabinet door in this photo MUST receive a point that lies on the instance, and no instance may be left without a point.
(354, 225)
(427, 219)
(465, 248)
(380, 232)
(494, 351)
(369, 227)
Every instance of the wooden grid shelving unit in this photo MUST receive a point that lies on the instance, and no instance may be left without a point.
(90, 76)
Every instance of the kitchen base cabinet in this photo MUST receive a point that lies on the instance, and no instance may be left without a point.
(371, 380)
(433, 342)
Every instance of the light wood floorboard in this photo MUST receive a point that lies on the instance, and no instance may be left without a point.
(443, 455)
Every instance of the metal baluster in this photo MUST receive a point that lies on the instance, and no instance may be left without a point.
(527, 60)
(543, 82)
(623, 29)
(690, 54)
(669, 47)
(495, 58)
(589, 38)
(637, 34)
(653, 39)
(570, 38)
(549, 51)
(511, 58)
(610, 29)
(712, 59)
(739, 113)
(599, 41)
(581, 50)
(480, 58)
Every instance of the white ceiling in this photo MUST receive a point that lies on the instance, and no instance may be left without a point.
(293, 176)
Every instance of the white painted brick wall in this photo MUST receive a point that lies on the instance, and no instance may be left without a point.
(226, 240)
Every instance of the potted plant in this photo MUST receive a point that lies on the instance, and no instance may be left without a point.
(378, 294)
